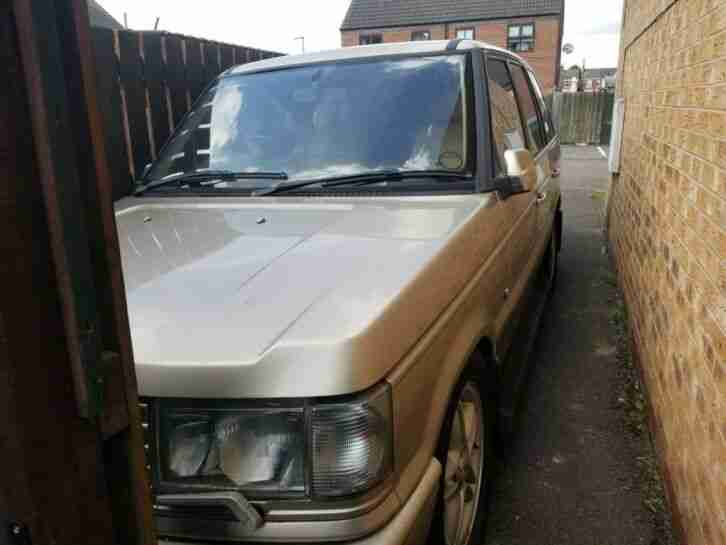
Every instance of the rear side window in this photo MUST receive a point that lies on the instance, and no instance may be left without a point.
(546, 116)
(506, 122)
(535, 131)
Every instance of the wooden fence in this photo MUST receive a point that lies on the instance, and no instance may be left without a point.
(147, 81)
(583, 118)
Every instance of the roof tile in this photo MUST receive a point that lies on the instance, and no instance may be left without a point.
(386, 13)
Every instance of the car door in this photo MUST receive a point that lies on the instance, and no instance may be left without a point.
(508, 133)
(548, 123)
(548, 207)
(537, 138)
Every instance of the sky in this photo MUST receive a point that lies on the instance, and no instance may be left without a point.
(593, 27)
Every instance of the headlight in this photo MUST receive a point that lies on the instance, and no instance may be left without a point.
(324, 450)
(259, 451)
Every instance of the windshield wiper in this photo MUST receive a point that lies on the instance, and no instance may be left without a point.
(374, 177)
(209, 177)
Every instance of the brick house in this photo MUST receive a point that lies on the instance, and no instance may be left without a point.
(667, 231)
(531, 28)
(594, 80)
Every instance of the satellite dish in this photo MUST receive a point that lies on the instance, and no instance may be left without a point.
(568, 49)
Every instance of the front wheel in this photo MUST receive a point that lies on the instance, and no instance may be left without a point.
(466, 452)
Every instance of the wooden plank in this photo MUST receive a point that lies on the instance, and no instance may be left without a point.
(176, 80)
(196, 78)
(131, 73)
(568, 117)
(227, 56)
(57, 452)
(109, 93)
(16, 170)
(133, 521)
(580, 108)
(607, 119)
(93, 256)
(155, 75)
(601, 111)
(596, 120)
(211, 61)
(243, 55)
(585, 119)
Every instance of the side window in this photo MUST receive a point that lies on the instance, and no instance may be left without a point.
(368, 39)
(506, 122)
(546, 115)
(520, 38)
(535, 131)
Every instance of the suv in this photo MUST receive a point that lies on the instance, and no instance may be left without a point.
(334, 272)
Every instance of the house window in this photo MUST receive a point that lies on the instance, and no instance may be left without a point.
(520, 37)
(367, 39)
(420, 35)
(465, 33)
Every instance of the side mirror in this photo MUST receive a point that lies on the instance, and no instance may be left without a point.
(521, 167)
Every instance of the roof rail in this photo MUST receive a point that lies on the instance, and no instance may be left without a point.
(453, 44)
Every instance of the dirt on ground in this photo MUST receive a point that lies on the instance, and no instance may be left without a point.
(581, 469)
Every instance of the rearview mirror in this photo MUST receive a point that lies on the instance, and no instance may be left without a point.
(521, 166)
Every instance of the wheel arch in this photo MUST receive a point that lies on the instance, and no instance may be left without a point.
(441, 388)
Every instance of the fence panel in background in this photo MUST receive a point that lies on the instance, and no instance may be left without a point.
(109, 102)
(583, 118)
(147, 82)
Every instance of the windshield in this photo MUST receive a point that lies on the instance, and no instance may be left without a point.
(327, 120)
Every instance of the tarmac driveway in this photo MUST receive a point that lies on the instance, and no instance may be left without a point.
(581, 470)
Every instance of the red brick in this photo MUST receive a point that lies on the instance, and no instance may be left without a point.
(543, 59)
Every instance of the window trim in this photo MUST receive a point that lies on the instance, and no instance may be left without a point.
(485, 156)
(370, 35)
(494, 155)
(541, 107)
(426, 32)
(466, 28)
(535, 102)
(519, 39)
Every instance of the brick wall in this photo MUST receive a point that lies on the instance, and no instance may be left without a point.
(543, 59)
(667, 230)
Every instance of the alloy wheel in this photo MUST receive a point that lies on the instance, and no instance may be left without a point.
(464, 468)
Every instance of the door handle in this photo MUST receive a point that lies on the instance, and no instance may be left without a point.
(541, 196)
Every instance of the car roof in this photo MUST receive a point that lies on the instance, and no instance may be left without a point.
(366, 52)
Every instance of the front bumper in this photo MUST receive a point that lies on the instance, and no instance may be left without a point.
(409, 526)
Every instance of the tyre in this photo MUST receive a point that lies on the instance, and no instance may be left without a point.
(466, 453)
(551, 263)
